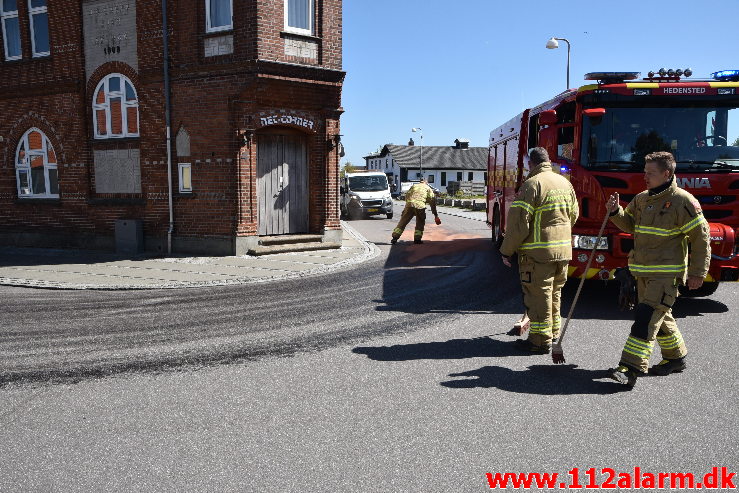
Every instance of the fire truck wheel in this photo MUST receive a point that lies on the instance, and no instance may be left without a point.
(707, 289)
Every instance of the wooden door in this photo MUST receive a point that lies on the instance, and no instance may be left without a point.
(282, 184)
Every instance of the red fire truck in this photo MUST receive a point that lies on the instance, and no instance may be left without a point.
(598, 135)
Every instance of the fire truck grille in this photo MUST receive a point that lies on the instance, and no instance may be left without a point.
(716, 213)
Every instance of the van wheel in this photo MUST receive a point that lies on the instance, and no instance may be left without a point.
(707, 289)
(390, 215)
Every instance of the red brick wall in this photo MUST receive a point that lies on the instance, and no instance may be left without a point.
(217, 99)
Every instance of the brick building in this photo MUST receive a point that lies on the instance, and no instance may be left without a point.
(255, 98)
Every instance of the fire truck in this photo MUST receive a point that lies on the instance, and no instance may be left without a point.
(597, 137)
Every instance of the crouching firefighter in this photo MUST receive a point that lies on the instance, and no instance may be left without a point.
(663, 219)
(416, 199)
(539, 229)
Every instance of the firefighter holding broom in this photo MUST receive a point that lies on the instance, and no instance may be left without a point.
(664, 220)
(539, 229)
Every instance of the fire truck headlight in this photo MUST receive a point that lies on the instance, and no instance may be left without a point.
(582, 258)
(600, 258)
(586, 242)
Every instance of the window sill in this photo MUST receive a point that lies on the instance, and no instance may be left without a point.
(291, 34)
(117, 201)
(215, 34)
(185, 195)
(40, 201)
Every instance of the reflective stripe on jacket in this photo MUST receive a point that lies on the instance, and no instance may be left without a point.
(539, 222)
(663, 224)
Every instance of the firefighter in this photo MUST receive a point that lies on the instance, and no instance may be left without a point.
(539, 229)
(664, 219)
(416, 199)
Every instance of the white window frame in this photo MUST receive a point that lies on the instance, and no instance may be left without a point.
(180, 168)
(104, 83)
(209, 28)
(311, 19)
(10, 14)
(24, 166)
(31, 12)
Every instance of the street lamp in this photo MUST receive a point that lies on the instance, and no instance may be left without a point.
(420, 159)
(553, 45)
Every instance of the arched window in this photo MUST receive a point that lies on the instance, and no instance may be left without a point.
(36, 166)
(116, 108)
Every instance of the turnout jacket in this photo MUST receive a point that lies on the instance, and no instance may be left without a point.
(540, 220)
(419, 195)
(663, 224)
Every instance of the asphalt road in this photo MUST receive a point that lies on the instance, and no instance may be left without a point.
(397, 375)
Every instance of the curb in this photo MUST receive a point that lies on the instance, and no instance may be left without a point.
(369, 251)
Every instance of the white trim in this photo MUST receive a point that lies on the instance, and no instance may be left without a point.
(180, 168)
(209, 28)
(10, 14)
(105, 106)
(24, 167)
(311, 19)
(31, 12)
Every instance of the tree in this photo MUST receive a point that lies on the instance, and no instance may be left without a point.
(348, 168)
(736, 142)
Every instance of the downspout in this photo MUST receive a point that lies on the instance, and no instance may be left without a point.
(167, 111)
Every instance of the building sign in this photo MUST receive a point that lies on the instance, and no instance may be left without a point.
(109, 28)
(287, 120)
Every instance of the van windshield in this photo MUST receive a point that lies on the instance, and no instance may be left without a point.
(702, 138)
(371, 183)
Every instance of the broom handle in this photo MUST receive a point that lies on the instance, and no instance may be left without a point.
(582, 279)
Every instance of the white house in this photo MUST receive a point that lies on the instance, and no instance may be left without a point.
(438, 164)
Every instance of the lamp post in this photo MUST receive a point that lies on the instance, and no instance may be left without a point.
(553, 45)
(420, 159)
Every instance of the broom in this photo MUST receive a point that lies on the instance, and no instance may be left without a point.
(558, 356)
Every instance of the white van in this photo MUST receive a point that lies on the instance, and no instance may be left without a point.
(365, 194)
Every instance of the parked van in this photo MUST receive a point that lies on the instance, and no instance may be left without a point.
(365, 194)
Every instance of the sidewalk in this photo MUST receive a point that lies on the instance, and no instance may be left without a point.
(74, 269)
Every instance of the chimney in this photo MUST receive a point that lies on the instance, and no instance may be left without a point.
(462, 144)
(411, 143)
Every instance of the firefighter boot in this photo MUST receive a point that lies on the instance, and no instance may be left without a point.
(531, 348)
(623, 375)
(667, 366)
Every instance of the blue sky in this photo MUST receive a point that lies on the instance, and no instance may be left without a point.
(460, 68)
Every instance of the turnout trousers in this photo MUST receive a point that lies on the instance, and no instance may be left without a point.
(409, 212)
(542, 283)
(653, 320)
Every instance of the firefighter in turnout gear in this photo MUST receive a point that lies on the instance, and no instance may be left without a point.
(539, 229)
(416, 199)
(664, 220)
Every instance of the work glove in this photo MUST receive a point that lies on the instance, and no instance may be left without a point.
(437, 220)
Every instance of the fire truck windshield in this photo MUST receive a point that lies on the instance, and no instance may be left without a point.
(702, 138)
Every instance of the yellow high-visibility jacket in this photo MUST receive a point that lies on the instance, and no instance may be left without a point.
(419, 195)
(540, 220)
(663, 224)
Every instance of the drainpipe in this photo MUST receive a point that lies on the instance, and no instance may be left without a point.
(167, 111)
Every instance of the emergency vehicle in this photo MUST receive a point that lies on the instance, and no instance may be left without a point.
(597, 137)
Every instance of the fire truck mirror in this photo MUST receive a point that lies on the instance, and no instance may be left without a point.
(594, 112)
(548, 117)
